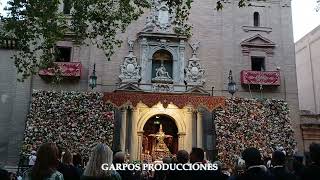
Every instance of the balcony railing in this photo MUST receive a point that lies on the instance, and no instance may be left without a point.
(66, 69)
(269, 78)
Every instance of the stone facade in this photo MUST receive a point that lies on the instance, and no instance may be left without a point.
(220, 34)
(308, 63)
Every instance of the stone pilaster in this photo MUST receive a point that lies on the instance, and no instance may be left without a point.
(123, 129)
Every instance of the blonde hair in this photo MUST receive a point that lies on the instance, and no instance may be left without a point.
(101, 154)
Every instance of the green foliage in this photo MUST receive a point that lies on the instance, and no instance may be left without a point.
(38, 26)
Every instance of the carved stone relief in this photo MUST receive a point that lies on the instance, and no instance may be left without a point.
(130, 70)
(160, 19)
(159, 87)
(194, 71)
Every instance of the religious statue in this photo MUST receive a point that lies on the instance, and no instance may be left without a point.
(161, 72)
(160, 150)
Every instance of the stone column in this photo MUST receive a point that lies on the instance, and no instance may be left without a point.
(189, 134)
(199, 129)
(134, 135)
(123, 129)
(140, 139)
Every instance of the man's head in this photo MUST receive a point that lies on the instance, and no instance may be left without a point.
(315, 153)
(182, 156)
(119, 157)
(252, 157)
(278, 158)
(196, 155)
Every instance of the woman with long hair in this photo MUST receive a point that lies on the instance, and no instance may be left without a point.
(45, 167)
(101, 154)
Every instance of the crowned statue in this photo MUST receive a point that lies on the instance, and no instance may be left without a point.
(160, 150)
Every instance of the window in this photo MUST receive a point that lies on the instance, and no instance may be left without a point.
(258, 64)
(63, 54)
(162, 57)
(256, 19)
(67, 5)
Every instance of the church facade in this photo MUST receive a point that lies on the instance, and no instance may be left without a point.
(160, 79)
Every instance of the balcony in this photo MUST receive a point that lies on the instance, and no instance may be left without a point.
(267, 78)
(67, 69)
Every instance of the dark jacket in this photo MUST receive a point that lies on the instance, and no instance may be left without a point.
(282, 173)
(255, 173)
(4, 174)
(311, 172)
(69, 172)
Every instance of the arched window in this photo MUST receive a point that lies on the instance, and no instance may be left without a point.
(162, 57)
(256, 19)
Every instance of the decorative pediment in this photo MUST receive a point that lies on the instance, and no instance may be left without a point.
(258, 41)
(198, 91)
(129, 87)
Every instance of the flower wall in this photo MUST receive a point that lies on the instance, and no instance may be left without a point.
(74, 120)
(243, 123)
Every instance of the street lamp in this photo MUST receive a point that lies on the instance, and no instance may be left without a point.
(93, 78)
(232, 86)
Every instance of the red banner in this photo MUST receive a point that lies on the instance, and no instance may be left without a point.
(261, 77)
(150, 99)
(68, 69)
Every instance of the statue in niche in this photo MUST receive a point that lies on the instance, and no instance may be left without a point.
(162, 73)
(160, 150)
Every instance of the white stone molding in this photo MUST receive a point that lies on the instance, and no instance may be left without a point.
(160, 18)
(161, 87)
(194, 71)
(130, 70)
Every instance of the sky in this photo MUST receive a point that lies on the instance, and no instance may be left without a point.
(305, 17)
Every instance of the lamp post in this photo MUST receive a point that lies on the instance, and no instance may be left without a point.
(93, 78)
(232, 86)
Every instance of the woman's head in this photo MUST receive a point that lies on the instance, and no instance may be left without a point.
(67, 157)
(101, 154)
(46, 162)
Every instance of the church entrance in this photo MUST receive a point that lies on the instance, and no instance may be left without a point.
(160, 138)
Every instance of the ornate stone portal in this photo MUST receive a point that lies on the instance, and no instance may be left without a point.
(194, 71)
(130, 70)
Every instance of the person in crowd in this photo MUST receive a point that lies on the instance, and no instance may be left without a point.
(4, 174)
(279, 170)
(197, 156)
(45, 167)
(68, 170)
(182, 157)
(77, 163)
(32, 158)
(312, 171)
(161, 175)
(298, 166)
(255, 170)
(101, 154)
(120, 158)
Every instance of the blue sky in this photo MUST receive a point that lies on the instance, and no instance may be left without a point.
(305, 17)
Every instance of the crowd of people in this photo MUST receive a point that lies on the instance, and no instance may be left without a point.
(54, 164)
